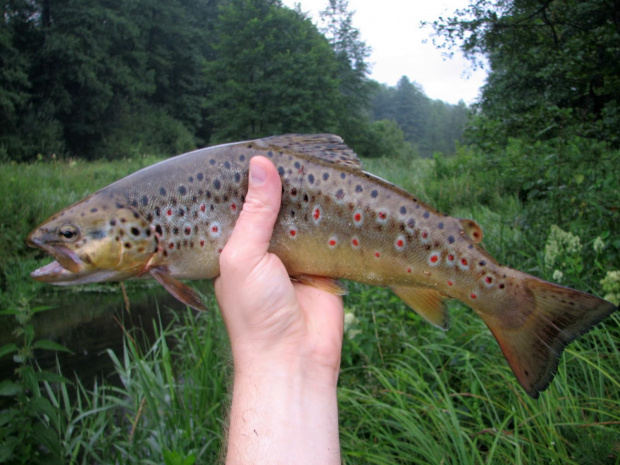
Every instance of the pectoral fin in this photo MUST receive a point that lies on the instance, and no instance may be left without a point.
(180, 291)
(426, 302)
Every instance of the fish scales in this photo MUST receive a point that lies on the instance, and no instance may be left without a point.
(170, 221)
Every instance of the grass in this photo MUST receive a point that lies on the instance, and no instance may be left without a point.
(409, 393)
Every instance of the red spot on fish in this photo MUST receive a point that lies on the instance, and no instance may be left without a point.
(187, 230)
(400, 243)
(450, 283)
(292, 232)
(219, 250)
(214, 229)
(233, 207)
(377, 254)
(451, 257)
(169, 212)
(332, 242)
(171, 245)
(464, 262)
(473, 295)
(357, 217)
(202, 242)
(488, 280)
(203, 208)
(316, 214)
(424, 235)
(355, 242)
(434, 258)
(408, 270)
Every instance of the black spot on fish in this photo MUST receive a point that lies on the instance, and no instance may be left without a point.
(306, 197)
(148, 233)
(482, 263)
(200, 176)
(311, 178)
(270, 154)
(470, 246)
(162, 191)
(340, 194)
(175, 230)
(325, 176)
(135, 215)
(191, 179)
(118, 205)
(374, 193)
(112, 222)
(212, 161)
(181, 212)
(292, 213)
(97, 234)
(426, 214)
(157, 211)
(227, 165)
(127, 245)
(144, 200)
(359, 188)
(451, 239)
(403, 210)
(411, 223)
(343, 175)
(217, 184)
(208, 194)
(440, 225)
(158, 229)
(237, 177)
(135, 231)
(134, 203)
(297, 165)
(241, 157)
(182, 190)
(280, 171)
(93, 210)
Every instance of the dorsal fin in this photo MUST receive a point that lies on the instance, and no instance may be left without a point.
(327, 147)
(472, 230)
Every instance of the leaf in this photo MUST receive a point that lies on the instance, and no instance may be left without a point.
(579, 178)
(9, 388)
(8, 349)
(46, 344)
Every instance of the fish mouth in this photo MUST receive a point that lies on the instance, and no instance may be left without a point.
(66, 266)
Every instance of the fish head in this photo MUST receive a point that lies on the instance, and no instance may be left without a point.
(94, 240)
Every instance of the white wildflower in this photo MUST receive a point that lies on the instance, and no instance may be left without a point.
(560, 243)
(557, 276)
(350, 325)
(611, 285)
(598, 245)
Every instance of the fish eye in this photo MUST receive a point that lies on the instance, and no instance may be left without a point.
(68, 232)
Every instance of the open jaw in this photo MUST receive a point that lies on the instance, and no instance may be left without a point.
(67, 266)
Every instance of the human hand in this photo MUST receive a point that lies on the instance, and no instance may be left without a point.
(286, 341)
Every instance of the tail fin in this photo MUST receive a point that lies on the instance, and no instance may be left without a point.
(544, 323)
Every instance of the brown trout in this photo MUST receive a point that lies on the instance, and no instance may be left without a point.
(171, 220)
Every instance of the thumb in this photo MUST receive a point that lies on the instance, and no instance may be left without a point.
(252, 232)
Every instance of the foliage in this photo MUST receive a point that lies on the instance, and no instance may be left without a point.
(274, 73)
(430, 125)
(31, 426)
(554, 66)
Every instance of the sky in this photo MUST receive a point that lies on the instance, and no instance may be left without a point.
(392, 29)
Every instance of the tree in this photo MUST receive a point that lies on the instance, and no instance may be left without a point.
(555, 65)
(273, 73)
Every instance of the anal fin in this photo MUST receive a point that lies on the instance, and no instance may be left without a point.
(179, 291)
(321, 282)
(426, 302)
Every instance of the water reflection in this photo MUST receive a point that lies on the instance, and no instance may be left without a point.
(88, 323)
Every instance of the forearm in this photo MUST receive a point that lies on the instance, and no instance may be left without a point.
(283, 413)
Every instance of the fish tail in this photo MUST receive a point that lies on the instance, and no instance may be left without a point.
(535, 325)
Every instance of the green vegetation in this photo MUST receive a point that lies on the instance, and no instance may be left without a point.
(110, 79)
(538, 169)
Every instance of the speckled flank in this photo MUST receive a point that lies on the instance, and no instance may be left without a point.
(171, 221)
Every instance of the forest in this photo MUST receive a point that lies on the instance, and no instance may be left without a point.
(112, 78)
(91, 91)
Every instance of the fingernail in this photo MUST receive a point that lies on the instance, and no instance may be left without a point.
(257, 174)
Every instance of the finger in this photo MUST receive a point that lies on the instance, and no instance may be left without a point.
(252, 232)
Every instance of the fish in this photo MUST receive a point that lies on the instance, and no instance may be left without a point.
(170, 222)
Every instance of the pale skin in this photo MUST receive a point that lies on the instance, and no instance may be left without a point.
(286, 341)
